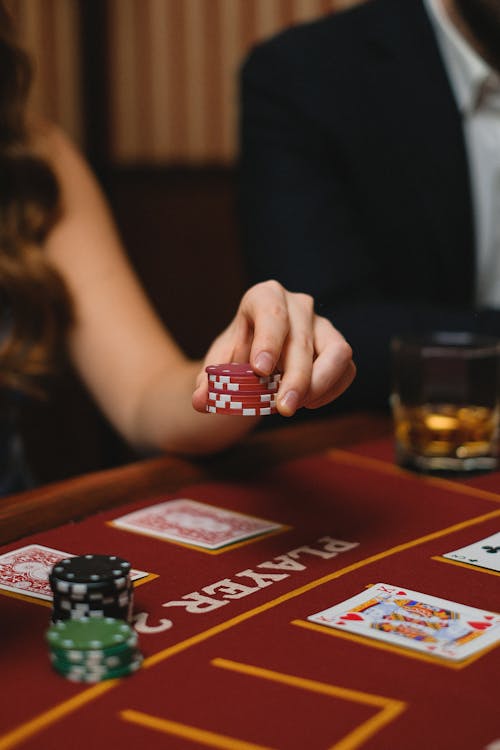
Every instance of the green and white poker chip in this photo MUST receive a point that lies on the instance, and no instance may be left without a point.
(109, 661)
(89, 634)
(79, 674)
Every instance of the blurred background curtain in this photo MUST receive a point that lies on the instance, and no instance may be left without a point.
(165, 69)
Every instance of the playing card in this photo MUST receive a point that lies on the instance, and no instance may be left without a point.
(406, 618)
(26, 570)
(483, 554)
(195, 523)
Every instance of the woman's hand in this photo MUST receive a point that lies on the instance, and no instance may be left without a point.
(274, 329)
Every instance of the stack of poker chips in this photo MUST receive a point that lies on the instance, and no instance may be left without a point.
(92, 650)
(235, 389)
(91, 586)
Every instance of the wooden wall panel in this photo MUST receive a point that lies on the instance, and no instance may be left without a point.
(49, 29)
(172, 70)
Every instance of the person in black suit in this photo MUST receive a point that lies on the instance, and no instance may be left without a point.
(357, 182)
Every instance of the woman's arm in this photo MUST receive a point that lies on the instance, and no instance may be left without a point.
(130, 363)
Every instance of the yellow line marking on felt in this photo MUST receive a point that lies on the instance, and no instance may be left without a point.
(391, 708)
(202, 736)
(204, 635)
(33, 725)
(477, 568)
(304, 683)
(145, 579)
(26, 598)
(48, 602)
(364, 462)
(45, 719)
(399, 650)
(221, 550)
(369, 728)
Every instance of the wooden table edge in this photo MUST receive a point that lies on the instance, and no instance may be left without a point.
(72, 499)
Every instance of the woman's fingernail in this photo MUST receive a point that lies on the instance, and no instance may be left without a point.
(264, 362)
(290, 401)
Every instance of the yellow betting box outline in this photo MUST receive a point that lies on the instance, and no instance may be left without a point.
(226, 548)
(470, 566)
(388, 468)
(187, 732)
(48, 602)
(45, 719)
(393, 648)
(385, 467)
(389, 709)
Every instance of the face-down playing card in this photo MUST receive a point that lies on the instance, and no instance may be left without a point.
(413, 620)
(194, 523)
(25, 570)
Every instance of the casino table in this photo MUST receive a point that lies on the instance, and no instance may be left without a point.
(230, 658)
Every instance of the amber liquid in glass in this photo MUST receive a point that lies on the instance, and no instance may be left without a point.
(445, 436)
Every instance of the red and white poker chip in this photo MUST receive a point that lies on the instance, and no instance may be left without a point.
(235, 389)
(243, 387)
(235, 405)
(257, 398)
(234, 372)
(256, 379)
(231, 369)
(247, 412)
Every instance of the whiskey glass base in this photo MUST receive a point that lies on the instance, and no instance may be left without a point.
(445, 464)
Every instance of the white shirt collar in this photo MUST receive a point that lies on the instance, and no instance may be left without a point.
(471, 76)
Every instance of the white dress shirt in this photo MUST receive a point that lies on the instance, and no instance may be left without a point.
(476, 86)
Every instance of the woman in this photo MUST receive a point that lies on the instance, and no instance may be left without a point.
(67, 286)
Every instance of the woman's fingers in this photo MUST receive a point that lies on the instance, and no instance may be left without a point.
(333, 369)
(276, 328)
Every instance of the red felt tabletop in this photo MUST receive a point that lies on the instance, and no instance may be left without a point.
(248, 671)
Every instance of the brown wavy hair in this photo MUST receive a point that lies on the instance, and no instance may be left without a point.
(35, 306)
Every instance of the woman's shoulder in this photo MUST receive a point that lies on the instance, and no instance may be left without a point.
(49, 141)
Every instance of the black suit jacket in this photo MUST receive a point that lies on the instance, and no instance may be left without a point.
(354, 182)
